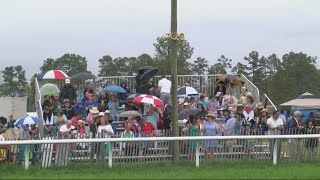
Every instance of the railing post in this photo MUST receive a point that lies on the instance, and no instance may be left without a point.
(26, 156)
(197, 154)
(275, 152)
(110, 154)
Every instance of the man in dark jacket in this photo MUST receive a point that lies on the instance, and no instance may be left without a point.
(295, 127)
(68, 92)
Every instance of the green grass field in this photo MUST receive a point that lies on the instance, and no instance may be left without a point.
(183, 170)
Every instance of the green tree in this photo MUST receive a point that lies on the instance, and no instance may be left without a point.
(71, 64)
(240, 69)
(185, 52)
(200, 66)
(297, 74)
(14, 82)
(217, 68)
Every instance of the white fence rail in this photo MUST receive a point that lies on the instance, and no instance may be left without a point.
(261, 147)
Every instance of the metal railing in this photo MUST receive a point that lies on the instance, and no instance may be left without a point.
(251, 88)
(248, 144)
(268, 103)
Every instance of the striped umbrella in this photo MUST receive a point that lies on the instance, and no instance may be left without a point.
(55, 74)
(148, 99)
(27, 120)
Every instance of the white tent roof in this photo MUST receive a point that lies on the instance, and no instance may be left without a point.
(304, 103)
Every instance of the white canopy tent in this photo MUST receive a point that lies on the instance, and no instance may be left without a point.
(304, 101)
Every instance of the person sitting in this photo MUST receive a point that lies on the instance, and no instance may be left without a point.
(249, 115)
(113, 106)
(68, 92)
(90, 102)
(226, 115)
(67, 109)
(220, 88)
(67, 130)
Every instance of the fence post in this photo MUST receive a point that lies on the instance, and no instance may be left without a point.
(197, 154)
(26, 156)
(275, 152)
(110, 154)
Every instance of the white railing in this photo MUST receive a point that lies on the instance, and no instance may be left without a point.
(197, 139)
(251, 88)
(269, 100)
(38, 103)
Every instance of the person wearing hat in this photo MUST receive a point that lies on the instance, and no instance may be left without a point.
(261, 123)
(211, 128)
(90, 102)
(92, 120)
(68, 92)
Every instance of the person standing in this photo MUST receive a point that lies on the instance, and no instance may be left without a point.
(165, 87)
(68, 92)
(211, 128)
(275, 126)
(11, 121)
(295, 127)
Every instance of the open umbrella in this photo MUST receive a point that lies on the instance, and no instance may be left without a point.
(3, 121)
(84, 76)
(144, 69)
(49, 90)
(129, 113)
(185, 113)
(148, 99)
(131, 97)
(187, 91)
(114, 89)
(27, 120)
(149, 73)
(54, 74)
(233, 79)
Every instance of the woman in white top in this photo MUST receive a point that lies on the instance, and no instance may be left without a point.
(104, 131)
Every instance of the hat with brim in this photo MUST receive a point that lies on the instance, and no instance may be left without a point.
(186, 104)
(81, 122)
(211, 115)
(265, 110)
(94, 110)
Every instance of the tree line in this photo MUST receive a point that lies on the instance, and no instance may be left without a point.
(282, 78)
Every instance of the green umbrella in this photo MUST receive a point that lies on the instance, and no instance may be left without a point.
(49, 90)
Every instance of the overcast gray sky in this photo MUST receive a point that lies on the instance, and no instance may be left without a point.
(33, 30)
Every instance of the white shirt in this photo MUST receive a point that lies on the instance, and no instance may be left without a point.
(274, 123)
(248, 116)
(283, 118)
(108, 128)
(64, 128)
(165, 85)
(2, 138)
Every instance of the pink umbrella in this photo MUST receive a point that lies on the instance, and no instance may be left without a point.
(55, 74)
(148, 99)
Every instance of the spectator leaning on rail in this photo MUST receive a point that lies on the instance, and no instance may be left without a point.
(275, 126)
(295, 127)
(165, 87)
(67, 130)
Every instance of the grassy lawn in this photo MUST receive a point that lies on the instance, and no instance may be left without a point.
(183, 170)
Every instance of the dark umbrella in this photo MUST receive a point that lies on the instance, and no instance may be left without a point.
(84, 76)
(131, 97)
(149, 73)
(144, 69)
(231, 79)
(185, 113)
(3, 121)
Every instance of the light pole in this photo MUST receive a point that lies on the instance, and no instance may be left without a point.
(174, 79)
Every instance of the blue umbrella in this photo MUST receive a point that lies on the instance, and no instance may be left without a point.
(27, 120)
(114, 89)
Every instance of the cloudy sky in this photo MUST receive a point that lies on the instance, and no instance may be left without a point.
(33, 30)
